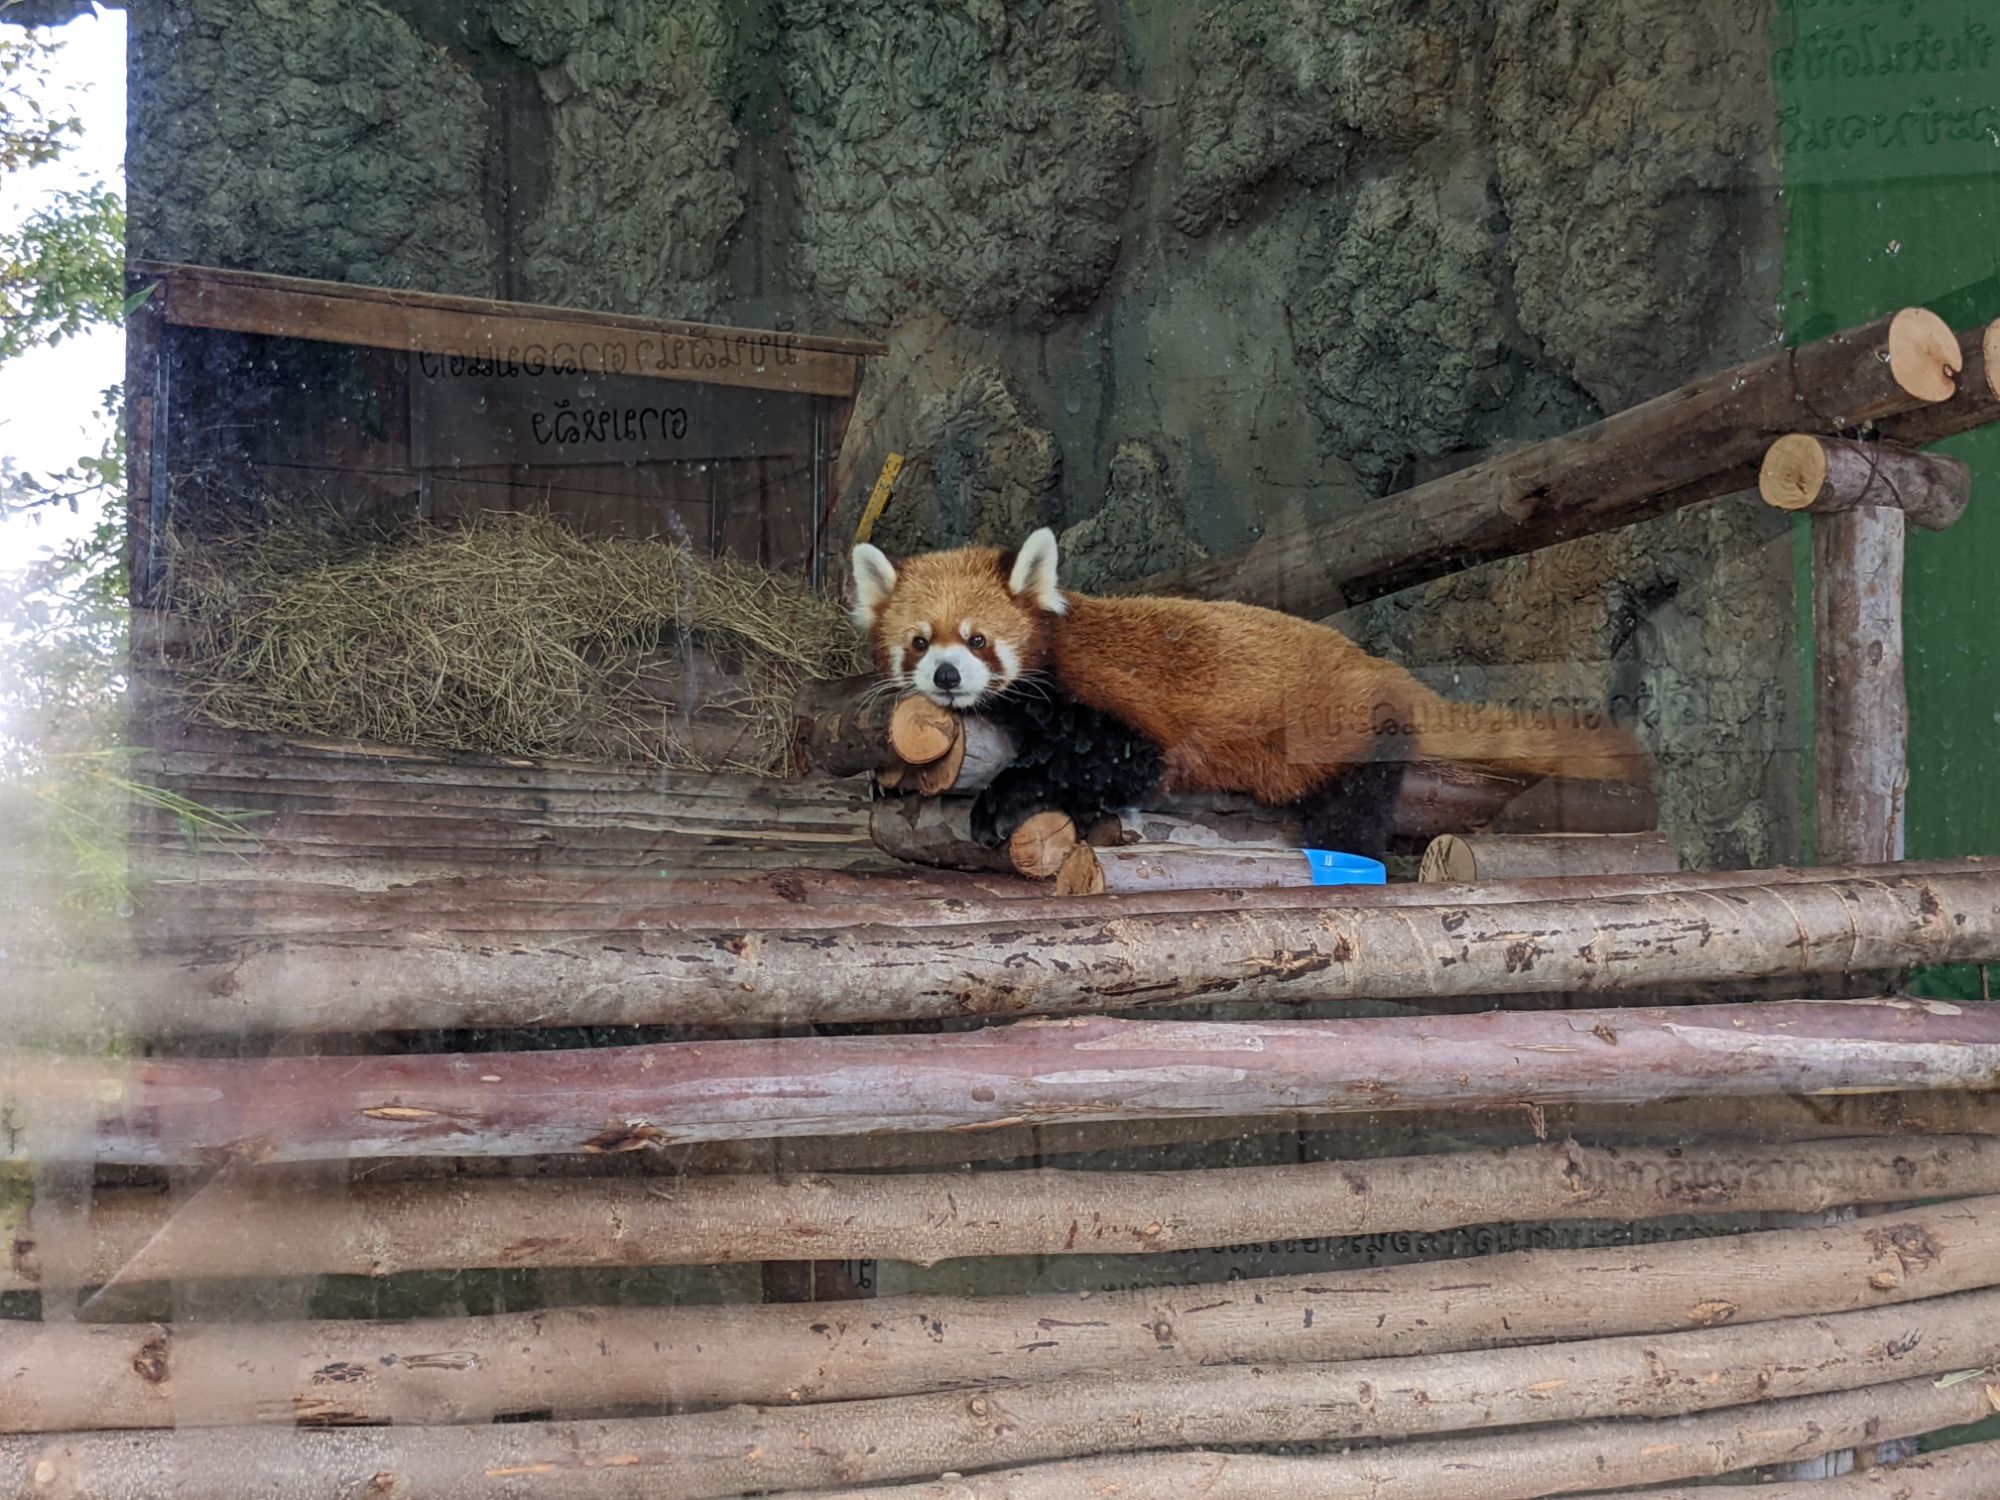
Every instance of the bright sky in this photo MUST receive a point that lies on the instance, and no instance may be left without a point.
(49, 398)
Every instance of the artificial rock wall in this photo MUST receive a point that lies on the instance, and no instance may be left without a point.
(1163, 273)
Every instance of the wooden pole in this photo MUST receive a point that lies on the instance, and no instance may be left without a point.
(980, 751)
(1133, 868)
(617, 1099)
(760, 1450)
(247, 907)
(1531, 856)
(1092, 960)
(777, 1354)
(1968, 1472)
(1689, 445)
(842, 728)
(381, 1228)
(1503, 1467)
(1827, 475)
(1976, 403)
(938, 831)
(1861, 708)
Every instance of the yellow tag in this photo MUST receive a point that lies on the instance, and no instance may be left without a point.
(879, 500)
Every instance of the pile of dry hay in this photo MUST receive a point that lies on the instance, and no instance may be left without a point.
(510, 635)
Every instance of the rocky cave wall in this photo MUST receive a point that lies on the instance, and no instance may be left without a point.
(1166, 274)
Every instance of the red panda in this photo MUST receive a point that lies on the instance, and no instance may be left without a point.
(1117, 699)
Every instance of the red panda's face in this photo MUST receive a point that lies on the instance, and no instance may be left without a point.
(958, 626)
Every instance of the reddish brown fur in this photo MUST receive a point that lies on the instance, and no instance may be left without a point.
(1240, 698)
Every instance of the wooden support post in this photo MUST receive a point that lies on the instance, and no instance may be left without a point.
(612, 1099)
(1827, 475)
(1692, 444)
(1861, 710)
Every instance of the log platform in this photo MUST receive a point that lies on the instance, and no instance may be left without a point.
(1119, 1158)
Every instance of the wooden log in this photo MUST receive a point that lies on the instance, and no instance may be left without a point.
(1825, 475)
(1861, 709)
(1531, 856)
(1285, 954)
(842, 728)
(1688, 445)
(1179, 867)
(1508, 1466)
(907, 1344)
(235, 903)
(727, 1453)
(938, 831)
(1976, 403)
(166, 1112)
(380, 1228)
(980, 751)
(1652, 1385)
(920, 731)
(1968, 1472)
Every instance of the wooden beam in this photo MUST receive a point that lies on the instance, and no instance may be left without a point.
(613, 1099)
(926, 1342)
(1679, 1393)
(1689, 445)
(1454, 860)
(1970, 1471)
(380, 1228)
(1501, 1467)
(1825, 475)
(1088, 959)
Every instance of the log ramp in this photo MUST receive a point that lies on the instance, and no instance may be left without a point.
(872, 1042)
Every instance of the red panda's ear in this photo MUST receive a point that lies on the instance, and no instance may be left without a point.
(874, 582)
(1033, 577)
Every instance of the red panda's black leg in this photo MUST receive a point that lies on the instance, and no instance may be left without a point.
(1070, 759)
(1355, 813)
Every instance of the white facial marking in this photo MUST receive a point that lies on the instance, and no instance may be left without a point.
(1034, 575)
(970, 685)
(1010, 662)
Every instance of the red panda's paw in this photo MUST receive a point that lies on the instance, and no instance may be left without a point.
(988, 818)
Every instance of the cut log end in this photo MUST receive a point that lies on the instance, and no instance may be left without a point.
(1924, 357)
(1447, 860)
(1793, 472)
(1040, 845)
(1082, 873)
(941, 775)
(921, 731)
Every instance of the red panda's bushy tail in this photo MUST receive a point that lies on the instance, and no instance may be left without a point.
(1529, 742)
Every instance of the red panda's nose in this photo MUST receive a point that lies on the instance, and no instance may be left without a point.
(945, 675)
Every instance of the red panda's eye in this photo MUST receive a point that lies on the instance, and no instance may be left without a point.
(977, 642)
(919, 645)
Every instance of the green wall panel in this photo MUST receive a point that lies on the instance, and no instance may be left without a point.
(1889, 120)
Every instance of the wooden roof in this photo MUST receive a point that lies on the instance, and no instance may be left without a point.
(513, 334)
